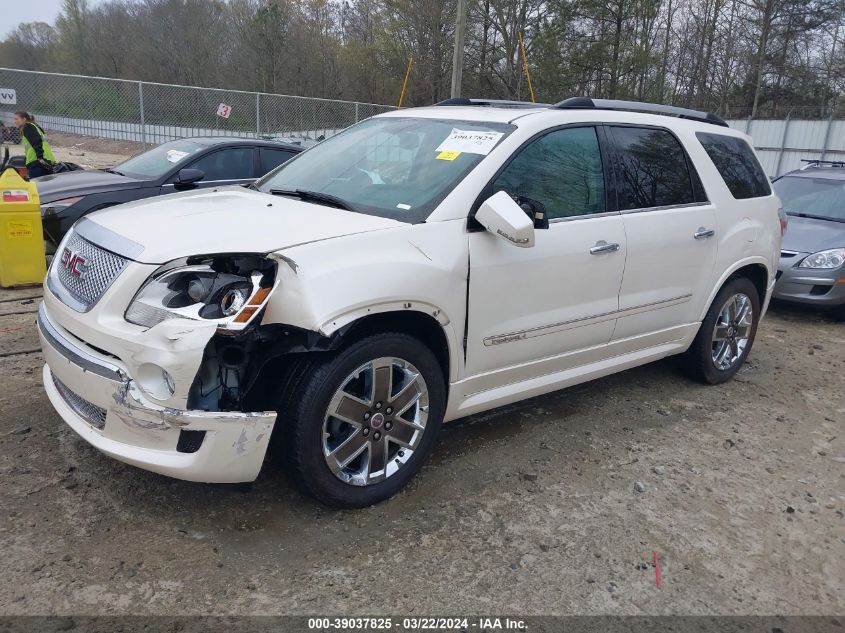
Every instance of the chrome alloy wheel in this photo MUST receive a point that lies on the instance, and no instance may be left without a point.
(375, 421)
(732, 331)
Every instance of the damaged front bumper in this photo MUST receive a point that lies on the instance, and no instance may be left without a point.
(98, 399)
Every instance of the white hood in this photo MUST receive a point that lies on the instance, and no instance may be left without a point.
(227, 220)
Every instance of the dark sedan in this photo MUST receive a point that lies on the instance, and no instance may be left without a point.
(175, 166)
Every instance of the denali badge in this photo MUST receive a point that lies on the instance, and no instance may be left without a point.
(75, 263)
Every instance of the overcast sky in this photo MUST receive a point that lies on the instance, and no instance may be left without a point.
(13, 12)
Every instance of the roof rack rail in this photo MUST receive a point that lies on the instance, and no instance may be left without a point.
(577, 103)
(815, 162)
(490, 103)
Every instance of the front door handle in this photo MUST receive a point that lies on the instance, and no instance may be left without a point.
(603, 247)
(703, 234)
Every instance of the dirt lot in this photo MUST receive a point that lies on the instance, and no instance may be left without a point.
(86, 151)
(530, 509)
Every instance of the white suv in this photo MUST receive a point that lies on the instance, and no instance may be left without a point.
(421, 266)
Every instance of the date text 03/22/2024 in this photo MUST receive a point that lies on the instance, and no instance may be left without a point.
(416, 624)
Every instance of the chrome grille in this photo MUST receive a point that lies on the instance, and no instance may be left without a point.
(101, 269)
(91, 413)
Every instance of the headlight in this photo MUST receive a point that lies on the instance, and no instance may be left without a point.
(833, 258)
(228, 290)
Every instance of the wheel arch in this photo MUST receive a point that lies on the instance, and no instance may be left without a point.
(287, 346)
(754, 269)
(421, 325)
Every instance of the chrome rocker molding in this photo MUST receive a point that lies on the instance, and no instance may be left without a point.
(499, 339)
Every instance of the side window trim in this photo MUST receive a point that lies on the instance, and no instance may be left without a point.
(692, 172)
(609, 186)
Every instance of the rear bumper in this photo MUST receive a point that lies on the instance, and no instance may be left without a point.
(96, 397)
(809, 286)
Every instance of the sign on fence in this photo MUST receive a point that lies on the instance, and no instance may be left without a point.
(8, 96)
(224, 110)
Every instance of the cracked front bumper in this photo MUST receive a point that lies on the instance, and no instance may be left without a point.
(97, 398)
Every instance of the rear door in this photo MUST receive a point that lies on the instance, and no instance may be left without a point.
(670, 227)
(561, 295)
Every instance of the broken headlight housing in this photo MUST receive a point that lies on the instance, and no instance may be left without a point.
(229, 290)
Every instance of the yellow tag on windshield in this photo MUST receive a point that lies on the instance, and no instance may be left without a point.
(448, 155)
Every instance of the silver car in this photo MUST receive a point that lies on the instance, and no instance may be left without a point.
(812, 259)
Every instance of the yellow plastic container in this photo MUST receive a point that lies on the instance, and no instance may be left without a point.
(22, 260)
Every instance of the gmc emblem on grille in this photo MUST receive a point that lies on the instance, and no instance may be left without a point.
(75, 263)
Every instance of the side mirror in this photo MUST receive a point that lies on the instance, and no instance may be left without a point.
(504, 218)
(188, 177)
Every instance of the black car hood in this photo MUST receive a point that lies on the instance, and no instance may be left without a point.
(82, 183)
(809, 235)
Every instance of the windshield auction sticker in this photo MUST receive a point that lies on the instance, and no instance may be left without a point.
(469, 141)
(174, 155)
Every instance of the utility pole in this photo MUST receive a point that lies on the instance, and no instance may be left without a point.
(458, 58)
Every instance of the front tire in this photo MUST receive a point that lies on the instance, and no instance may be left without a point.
(726, 335)
(358, 425)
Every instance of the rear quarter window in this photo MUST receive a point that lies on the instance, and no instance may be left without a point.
(736, 163)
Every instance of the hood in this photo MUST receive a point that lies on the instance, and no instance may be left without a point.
(808, 235)
(81, 183)
(227, 220)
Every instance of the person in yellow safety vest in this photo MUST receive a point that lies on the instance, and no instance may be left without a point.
(39, 156)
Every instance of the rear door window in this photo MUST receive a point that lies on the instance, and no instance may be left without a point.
(653, 170)
(272, 158)
(737, 164)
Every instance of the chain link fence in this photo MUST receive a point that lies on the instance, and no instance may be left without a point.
(152, 113)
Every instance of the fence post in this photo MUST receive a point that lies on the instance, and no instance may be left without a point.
(827, 134)
(783, 142)
(257, 114)
(141, 106)
(356, 112)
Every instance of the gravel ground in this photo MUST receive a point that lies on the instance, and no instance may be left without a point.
(530, 509)
(85, 151)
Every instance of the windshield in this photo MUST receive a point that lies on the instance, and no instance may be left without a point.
(399, 168)
(158, 161)
(820, 197)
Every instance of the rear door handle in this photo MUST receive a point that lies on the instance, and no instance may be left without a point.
(603, 247)
(703, 234)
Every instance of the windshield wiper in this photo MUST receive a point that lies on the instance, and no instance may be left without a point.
(315, 196)
(114, 171)
(815, 217)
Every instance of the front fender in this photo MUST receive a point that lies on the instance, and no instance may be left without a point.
(324, 286)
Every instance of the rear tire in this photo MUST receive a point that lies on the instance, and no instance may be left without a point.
(726, 335)
(345, 443)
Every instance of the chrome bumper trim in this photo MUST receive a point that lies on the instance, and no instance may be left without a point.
(73, 353)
